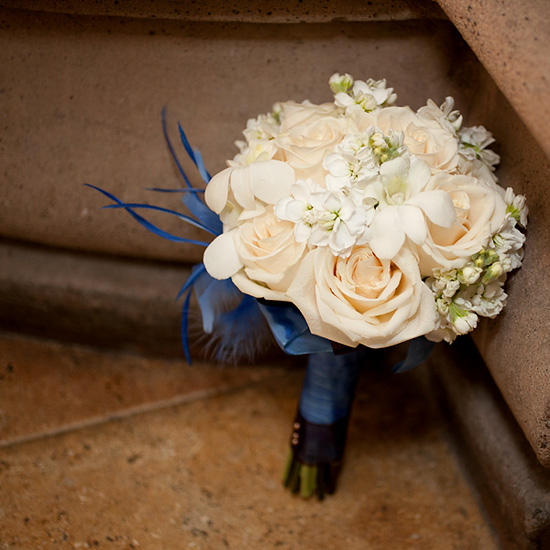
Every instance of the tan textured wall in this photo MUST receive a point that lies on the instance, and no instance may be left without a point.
(516, 345)
(82, 98)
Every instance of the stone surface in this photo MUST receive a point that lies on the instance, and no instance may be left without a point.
(49, 388)
(515, 488)
(82, 97)
(516, 345)
(205, 473)
(511, 39)
(97, 300)
(257, 11)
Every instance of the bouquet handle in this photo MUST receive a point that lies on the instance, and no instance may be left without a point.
(320, 427)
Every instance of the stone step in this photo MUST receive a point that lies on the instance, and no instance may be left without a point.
(103, 450)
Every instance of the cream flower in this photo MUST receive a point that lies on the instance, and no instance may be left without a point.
(424, 137)
(363, 299)
(259, 255)
(308, 133)
(480, 212)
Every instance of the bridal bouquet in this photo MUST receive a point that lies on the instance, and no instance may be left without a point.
(351, 224)
(380, 224)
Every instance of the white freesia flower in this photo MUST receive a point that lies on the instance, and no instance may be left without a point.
(404, 210)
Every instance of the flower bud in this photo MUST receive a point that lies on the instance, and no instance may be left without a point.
(494, 271)
(469, 274)
(451, 288)
(340, 83)
(465, 323)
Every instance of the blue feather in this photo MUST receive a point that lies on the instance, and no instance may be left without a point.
(196, 272)
(241, 333)
(191, 201)
(194, 155)
(184, 190)
(147, 224)
(184, 327)
(183, 217)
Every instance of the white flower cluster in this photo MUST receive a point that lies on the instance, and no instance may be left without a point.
(379, 223)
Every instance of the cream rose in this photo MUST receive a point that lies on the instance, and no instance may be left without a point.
(480, 211)
(362, 299)
(424, 137)
(308, 133)
(294, 114)
(260, 255)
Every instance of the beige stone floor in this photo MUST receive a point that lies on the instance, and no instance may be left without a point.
(103, 450)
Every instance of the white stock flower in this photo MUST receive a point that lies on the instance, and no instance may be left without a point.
(264, 127)
(444, 115)
(469, 274)
(465, 322)
(508, 241)
(489, 299)
(340, 83)
(474, 142)
(325, 218)
(366, 96)
(517, 206)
